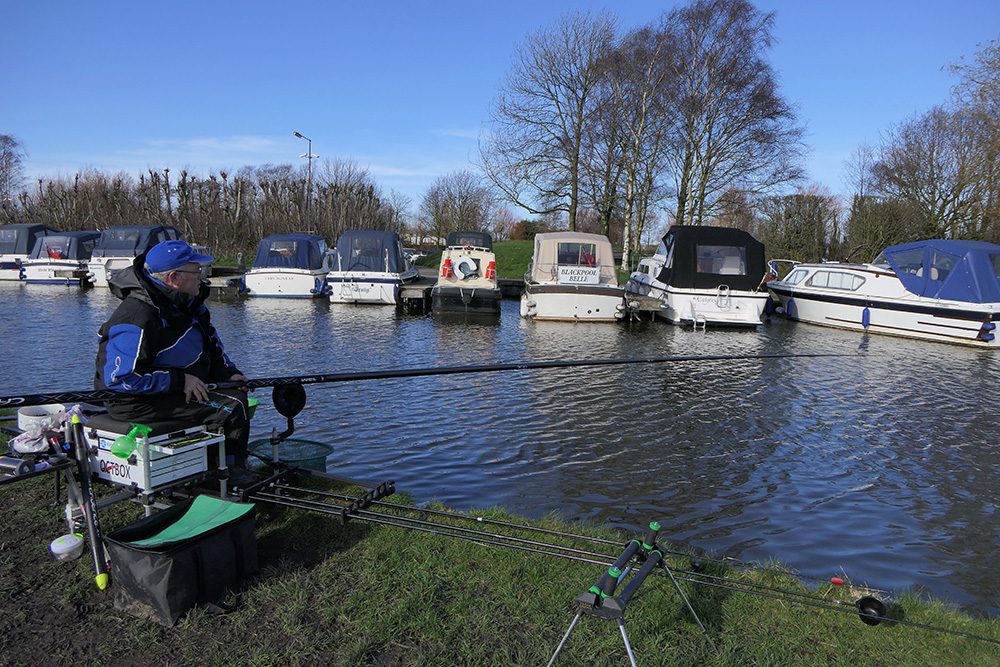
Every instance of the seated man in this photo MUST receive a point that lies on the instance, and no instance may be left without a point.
(160, 349)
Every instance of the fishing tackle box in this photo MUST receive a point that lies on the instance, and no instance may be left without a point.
(171, 451)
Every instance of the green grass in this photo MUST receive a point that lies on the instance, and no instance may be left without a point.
(370, 594)
(513, 258)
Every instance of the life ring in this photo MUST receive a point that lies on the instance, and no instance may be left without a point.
(466, 268)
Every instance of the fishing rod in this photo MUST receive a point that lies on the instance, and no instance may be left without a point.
(868, 608)
(96, 396)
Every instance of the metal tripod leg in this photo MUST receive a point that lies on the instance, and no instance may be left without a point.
(621, 626)
(690, 608)
(565, 637)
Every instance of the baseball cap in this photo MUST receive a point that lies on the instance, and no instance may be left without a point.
(169, 255)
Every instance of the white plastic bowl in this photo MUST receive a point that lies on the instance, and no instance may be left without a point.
(67, 547)
(46, 416)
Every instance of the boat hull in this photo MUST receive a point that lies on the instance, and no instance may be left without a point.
(916, 317)
(286, 283)
(367, 287)
(465, 300)
(573, 303)
(54, 272)
(713, 307)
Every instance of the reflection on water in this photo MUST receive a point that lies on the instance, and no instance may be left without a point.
(879, 464)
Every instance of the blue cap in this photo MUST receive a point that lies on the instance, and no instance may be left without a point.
(170, 255)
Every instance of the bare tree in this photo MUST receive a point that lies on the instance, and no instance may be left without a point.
(934, 163)
(11, 175)
(456, 202)
(640, 81)
(803, 226)
(732, 128)
(532, 153)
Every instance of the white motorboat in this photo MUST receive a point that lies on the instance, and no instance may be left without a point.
(369, 267)
(572, 277)
(289, 265)
(16, 243)
(940, 290)
(467, 281)
(119, 245)
(60, 258)
(705, 275)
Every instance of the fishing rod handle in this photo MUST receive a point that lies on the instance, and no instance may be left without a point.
(609, 580)
(652, 560)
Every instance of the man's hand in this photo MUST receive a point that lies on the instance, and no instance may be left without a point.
(239, 377)
(194, 388)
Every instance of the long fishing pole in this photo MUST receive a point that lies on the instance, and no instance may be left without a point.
(95, 396)
(869, 609)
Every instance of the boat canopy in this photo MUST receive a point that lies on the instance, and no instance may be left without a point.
(133, 240)
(19, 239)
(567, 249)
(704, 257)
(365, 250)
(291, 251)
(65, 245)
(470, 239)
(943, 269)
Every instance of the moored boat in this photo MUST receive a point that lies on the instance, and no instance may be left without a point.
(941, 290)
(369, 267)
(119, 245)
(60, 258)
(467, 280)
(289, 265)
(572, 277)
(16, 243)
(704, 275)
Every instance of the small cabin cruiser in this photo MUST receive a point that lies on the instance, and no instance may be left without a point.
(369, 267)
(940, 290)
(705, 276)
(16, 243)
(467, 282)
(289, 265)
(572, 277)
(60, 258)
(119, 245)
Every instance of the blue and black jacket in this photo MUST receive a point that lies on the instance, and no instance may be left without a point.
(156, 336)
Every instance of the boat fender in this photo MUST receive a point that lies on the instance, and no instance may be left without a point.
(466, 268)
(790, 309)
(866, 317)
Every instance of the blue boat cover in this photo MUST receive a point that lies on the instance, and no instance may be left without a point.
(19, 239)
(133, 240)
(471, 239)
(370, 251)
(65, 245)
(943, 269)
(291, 251)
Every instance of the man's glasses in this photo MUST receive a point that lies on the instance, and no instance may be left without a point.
(198, 271)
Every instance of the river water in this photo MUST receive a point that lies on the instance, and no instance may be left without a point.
(878, 466)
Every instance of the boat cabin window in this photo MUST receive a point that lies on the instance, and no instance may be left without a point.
(836, 280)
(796, 276)
(941, 265)
(910, 261)
(882, 262)
(721, 260)
(995, 261)
(283, 249)
(577, 254)
(8, 240)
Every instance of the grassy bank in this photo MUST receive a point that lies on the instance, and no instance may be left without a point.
(513, 258)
(370, 594)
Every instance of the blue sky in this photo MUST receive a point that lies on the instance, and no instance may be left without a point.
(404, 88)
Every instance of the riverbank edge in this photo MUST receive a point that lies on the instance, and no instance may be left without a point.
(365, 594)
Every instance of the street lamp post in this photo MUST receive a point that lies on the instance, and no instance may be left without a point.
(310, 156)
